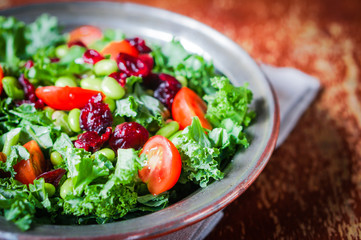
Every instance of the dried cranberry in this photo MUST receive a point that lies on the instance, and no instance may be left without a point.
(29, 91)
(54, 60)
(53, 177)
(96, 115)
(29, 64)
(167, 89)
(92, 56)
(139, 44)
(120, 77)
(91, 141)
(76, 43)
(128, 135)
(133, 66)
(147, 60)
(151, 81)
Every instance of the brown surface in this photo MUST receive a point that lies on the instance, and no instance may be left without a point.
(311, 188)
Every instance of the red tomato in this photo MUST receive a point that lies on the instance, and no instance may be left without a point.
(114, 48)
(1, 79)
(86, 34)
(186, 105)
(28, 170)
(163, 167)
(65, 98)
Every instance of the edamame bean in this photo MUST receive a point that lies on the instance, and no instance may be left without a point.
(182, 80)
(61, 119)
(50, 189)
(66, 188)
(61, 51)
(91, 83)
(175, 135)
(108, 153)
(56, 158)
(105, 67)
(169, 129)
(73, 120)
(12, 88)
(111, 88)
(110, 102)
(48, 111)
(65, 81)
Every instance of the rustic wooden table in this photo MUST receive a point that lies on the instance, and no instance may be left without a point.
(311, 187)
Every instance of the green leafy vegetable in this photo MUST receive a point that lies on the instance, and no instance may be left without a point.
(200, 160)
(173, 59)
(19, 204)
(82, 167)
(19, 41)
(42, 33)
(12, 42)
(229, 102)
(142, 108)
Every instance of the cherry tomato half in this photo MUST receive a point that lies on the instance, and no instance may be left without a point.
(114, 48)
(186, 105)
(65, 98)
(28, 170)
(86, 34)
(163, 167)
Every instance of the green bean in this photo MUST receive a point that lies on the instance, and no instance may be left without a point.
(108, 153)
(61, 119)
(169, 129)
(66, 188)
(56, 158)
(112, 89)
(110, 102)
(105, 67)
(12, 88)
(91, 83)
(12, 138)
(182, 80)
(48, 111)
(61, 51)
(50, 189)
(73, 120)
(65, 81)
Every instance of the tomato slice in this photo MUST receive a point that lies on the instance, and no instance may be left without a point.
(28, 170)
(163, 167)
(114, 48)
(65, 98)
(1, 79)
(186, 105)
(86, 34)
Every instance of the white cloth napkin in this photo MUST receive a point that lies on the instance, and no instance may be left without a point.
(295, 91)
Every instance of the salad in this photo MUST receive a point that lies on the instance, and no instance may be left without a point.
(97, 127)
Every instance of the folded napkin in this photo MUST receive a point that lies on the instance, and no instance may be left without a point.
(295, 91)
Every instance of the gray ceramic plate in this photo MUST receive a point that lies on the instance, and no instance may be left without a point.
(159, 25)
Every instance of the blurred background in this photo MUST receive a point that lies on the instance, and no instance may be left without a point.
(311, 187)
